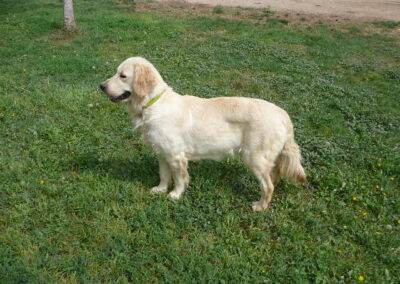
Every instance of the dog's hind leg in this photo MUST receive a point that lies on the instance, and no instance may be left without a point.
(262, 167)
(165, 177)
(267, 188)
(180, 175)
(275, 176)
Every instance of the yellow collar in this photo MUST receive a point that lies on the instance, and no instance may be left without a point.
(153, 100)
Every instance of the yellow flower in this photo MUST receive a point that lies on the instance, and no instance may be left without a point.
(384, 193)
(361, 278)
(41, 181)
(74, 173)
(378, 233)
(398, 221)
(339, 251)
(263, 270)
(391, 178)
(377, 186)
(379, 165)
(354, 198)
(365, 213)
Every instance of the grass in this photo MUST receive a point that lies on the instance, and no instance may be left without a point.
(218, 10)
(74, 194)
(387, 24)
(269, 11)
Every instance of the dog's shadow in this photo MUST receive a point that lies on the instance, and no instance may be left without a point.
(143, 169)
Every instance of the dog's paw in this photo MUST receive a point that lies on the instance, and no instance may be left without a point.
(175, 195)
(258, 206)
(158, 189)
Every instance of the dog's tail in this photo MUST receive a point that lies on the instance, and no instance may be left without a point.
(289, 163)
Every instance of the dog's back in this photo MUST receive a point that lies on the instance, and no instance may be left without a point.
(182, 128)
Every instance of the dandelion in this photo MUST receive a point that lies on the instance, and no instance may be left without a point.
(398, 221)
(263, 270)
(41, 181)
(379, 165)
(391, 178)
(339, 251)
(362, 212)
(377, 186)
(361, 278)
(354, 198)
(378, 233)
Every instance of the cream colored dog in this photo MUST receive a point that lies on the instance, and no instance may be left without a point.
(183, 128)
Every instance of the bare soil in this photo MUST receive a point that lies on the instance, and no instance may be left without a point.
(259, 12)
(388, 10)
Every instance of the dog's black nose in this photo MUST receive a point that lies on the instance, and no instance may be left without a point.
(102, 87)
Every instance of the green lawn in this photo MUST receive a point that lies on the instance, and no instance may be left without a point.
(75, 205)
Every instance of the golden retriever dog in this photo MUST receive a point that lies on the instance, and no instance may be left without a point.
(183, 128)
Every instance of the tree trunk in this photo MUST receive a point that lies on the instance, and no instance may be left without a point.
(69, 20)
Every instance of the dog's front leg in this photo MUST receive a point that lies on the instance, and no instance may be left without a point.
(180, 174)
(165, 177)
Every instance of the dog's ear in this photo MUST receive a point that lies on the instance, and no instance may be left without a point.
(144, 81)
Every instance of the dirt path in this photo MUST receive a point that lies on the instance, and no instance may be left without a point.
(361, 9)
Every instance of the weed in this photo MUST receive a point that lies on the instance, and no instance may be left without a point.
(218, 10)
(387, 24)
(268, 12)
(354, 29)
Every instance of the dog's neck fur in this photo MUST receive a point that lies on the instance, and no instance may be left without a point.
(136, 104)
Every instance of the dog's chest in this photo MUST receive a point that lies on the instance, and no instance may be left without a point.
(161, 139)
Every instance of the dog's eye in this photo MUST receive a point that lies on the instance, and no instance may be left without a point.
(122, 76)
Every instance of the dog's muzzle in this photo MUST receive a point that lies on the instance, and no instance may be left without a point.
(122, 97)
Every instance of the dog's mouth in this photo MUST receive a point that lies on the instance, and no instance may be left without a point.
(122, 97)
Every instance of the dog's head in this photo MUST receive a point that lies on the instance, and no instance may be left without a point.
(135, 78)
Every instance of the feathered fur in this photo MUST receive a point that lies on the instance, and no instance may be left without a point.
(182, 128)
